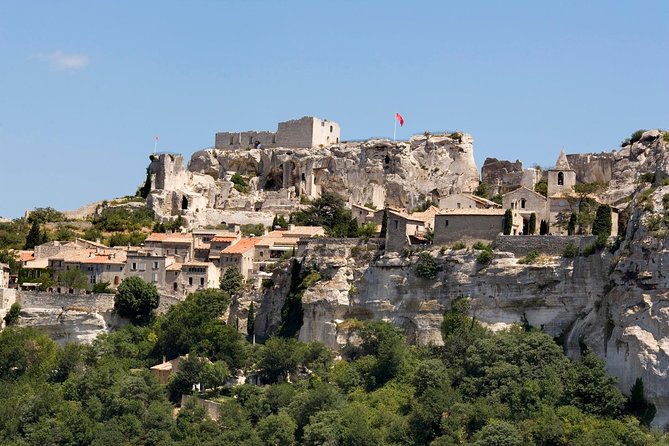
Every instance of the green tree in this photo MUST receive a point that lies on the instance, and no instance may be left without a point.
(250, 319)
(102, 287)
(34, 237)
(45, 215)
(279, 221)
(571, 226)
(277, 430)
(73, 278)
(279, 358)
(533, 223)
(13, 314)
(426, 266)
(144, 190)
(637, 404)
(543, 227)
(602, 224)
(508, 222)
(542, 187)
(330, 212)
(136, 299)
(232, 281)
(367, 231)
(499, 433)
(483, 190)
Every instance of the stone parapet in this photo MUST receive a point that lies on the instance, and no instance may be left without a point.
(521, 245)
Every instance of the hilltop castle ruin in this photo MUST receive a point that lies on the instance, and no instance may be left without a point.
(305, 132)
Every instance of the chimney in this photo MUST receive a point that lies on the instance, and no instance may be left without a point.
(236, 228)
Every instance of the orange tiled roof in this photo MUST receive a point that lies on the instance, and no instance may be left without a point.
(24, 256)
(241, 246)
(221, 238)
(176, 237)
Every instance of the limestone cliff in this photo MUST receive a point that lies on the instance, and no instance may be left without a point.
(381, 172)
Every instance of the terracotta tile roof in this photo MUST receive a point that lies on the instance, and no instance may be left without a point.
(174, 267)
(472, 211)
(221, 238)
(424, 216)
(24, 256)
(196, 263)
(241, 246)
(91, 256)
(176, 237)
(524, 189)
(297, 231)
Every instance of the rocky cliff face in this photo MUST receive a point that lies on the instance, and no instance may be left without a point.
(381, 172)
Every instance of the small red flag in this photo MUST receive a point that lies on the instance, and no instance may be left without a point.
(400, 119)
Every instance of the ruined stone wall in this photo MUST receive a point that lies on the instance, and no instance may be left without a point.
(43, 299)
(520, 245)
(296, 133)
(325, 132)
(452, 228)
(236, 140)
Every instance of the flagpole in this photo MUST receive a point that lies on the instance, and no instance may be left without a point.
(395, 128)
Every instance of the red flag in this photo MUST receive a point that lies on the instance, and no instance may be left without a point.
(400, 119)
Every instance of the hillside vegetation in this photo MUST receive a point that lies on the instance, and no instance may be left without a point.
(481, 388)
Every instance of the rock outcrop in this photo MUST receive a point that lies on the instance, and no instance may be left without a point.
(380, 172)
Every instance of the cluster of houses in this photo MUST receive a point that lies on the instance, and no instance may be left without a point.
(177, 263)
(180, 263)
(468, 218)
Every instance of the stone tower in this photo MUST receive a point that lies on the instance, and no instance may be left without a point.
(562, 177)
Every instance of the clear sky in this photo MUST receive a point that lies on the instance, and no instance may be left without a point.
(85, 86)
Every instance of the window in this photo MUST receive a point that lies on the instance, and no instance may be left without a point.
(155, 265)
(322, 123)
(232, 140)
(522, 203)
(167, 252)
(91, 280)
(458, 205)
(560, 179)
(133, 266)
(201, 281)
(155, 277)
(190, 281)
(108, 267)
(445, 223)
(397, 224)
(330, 129)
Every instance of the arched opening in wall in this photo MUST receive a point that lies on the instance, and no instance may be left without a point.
(184, 203)
(117, 280)
(175, 286)
(303, 177)
(560, 179)
(526, 226)
(337, 139)
(522, 203)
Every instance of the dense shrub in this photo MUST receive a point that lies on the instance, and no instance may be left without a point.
(426, 266)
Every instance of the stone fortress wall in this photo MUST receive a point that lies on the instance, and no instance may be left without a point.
(305, 132)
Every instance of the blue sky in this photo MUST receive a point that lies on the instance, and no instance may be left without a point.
(85, 86)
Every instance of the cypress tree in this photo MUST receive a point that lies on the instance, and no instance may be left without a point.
(571, 227)
(250, 319)
(508, 222)
(34, 236)
(533, 223)
(602, 224)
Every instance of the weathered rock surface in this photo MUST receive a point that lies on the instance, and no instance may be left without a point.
(400, 174)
